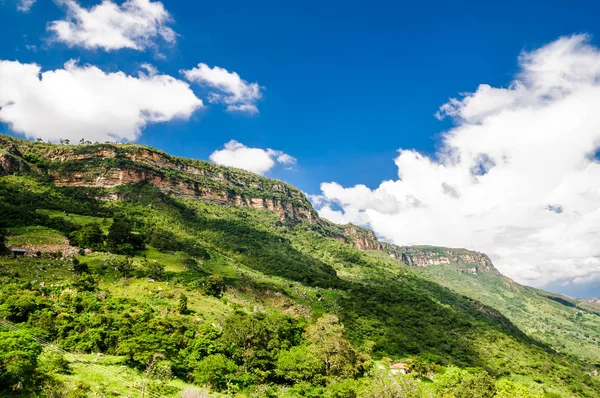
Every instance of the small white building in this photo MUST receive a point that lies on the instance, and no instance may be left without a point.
(399, 368)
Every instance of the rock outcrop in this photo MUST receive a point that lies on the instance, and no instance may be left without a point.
(361, 238)
(112, 165)
(423, 256)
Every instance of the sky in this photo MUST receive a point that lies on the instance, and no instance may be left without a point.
(464, 124)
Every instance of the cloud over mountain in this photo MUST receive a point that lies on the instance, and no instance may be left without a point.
(85, 102)
(256, 160)
(516, 177)
(228, 88)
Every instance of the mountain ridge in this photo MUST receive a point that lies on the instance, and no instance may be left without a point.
(142, 246)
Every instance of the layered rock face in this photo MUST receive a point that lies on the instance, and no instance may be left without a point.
(109, 166)
(112, 165)
(423, 256)
(361, 238)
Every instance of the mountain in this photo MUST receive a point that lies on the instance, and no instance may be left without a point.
(565, 324)
(182, 273)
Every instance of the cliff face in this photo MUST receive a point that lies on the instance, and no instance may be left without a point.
(111, 165)
(423, 256)
(361, 238)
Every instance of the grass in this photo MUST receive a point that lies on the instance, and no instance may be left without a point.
(35, 235)
(105, 223)
(109, 376)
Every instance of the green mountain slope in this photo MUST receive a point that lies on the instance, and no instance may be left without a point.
(563, 323)
(187, 272)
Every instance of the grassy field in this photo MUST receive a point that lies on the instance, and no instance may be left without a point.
(34, 235)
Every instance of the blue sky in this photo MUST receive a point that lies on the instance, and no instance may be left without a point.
(344, 86)
(347, 83)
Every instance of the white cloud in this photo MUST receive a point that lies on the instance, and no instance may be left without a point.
(83, 101)
(232, 90)
(25, 5)
(256, 160)
(135, 24)
(516, 177)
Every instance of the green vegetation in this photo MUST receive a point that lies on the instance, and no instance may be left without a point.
(177, 292)
(562, 323)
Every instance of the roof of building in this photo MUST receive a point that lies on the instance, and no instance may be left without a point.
(18, 250)
(400, 365)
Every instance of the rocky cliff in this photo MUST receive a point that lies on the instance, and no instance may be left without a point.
(423, 256)
(112, 165)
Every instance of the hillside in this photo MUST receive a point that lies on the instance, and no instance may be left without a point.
(201, 276)
(565, 324)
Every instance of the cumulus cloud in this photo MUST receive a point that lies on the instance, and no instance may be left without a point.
(237, 94)
(256, 160)
(86, 102)
(135, 24)
(517, 177)
(25, 5)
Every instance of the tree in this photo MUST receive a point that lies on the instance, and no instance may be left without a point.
(3, 248)
(462, 384)
(122, 239)
(329, 345)
(86, 283)
(384, 385)
(156, 271)
(80, 268)
(214, 285)
(183, 302)
(190, 264)
(215, 370)
(510, 389)
(91, 236)
(298, 364)
(124, 266)
(18, 359)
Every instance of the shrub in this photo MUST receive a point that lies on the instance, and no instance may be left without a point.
(214, 370)
(298, 364)
(52, 362)
(214, 286)
(86, 283)
(156, 271)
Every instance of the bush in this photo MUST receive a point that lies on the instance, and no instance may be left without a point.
(183, 301)
(52, 362)
(214, 286)
(215, 371)
(156, 271)
(86, 283)
(18, 359)
(298, 364)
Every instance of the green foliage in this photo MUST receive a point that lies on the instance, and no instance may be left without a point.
(298, 364)
(183, 304)
(383, 385)
(215, 370)
(214, 285)
(510, 389)
(18, 359)
(121, 238)
(463, 384)
(3, 249)
(89, 236)
(255, 340)
(243, 343)
(156, 271)
(86, 283)
(79, 267)
(124, 266)
(328, 344)
(52, 362)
